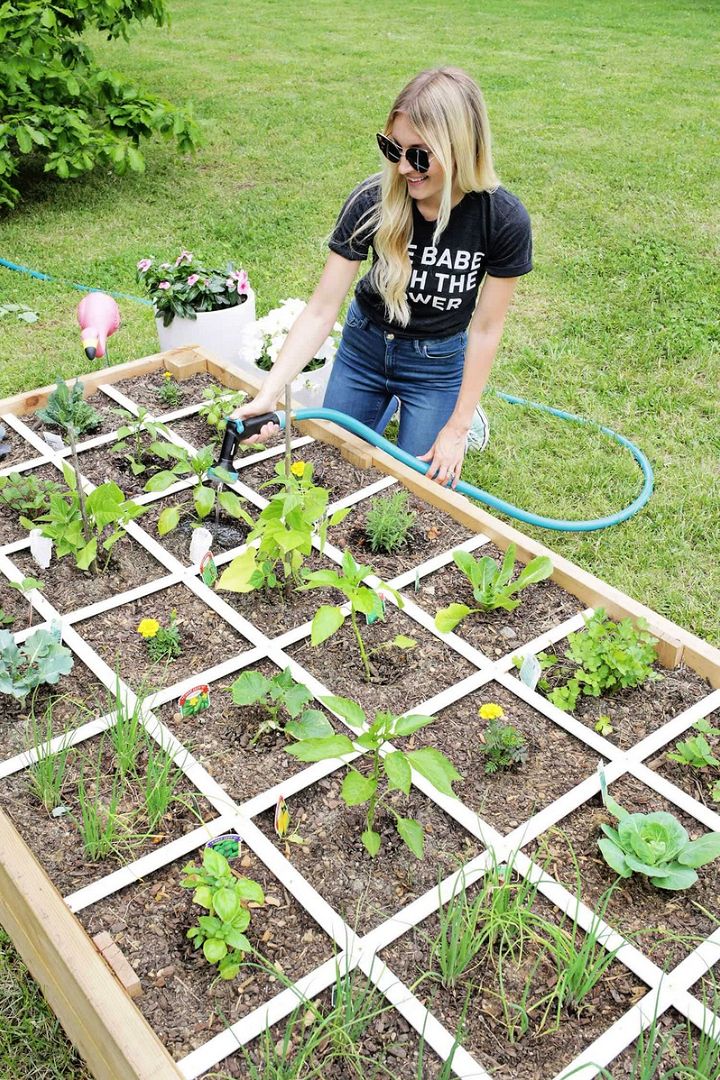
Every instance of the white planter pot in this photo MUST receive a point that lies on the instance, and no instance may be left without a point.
(220, 332)
(309, 387)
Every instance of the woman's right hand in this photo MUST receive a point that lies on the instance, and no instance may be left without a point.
(260, 404)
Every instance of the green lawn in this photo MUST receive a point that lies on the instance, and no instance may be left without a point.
(605, 124)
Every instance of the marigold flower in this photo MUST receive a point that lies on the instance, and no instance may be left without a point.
(167, 375)
(148, 628)
(297, 468)
(490, 711)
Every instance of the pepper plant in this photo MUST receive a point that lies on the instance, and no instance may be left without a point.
(388, 772)
(364, 600)
(218, 404)
(226, 897)
(278, 695)
(132, 438)
(40, 659)
(492, 585)
(205, 497)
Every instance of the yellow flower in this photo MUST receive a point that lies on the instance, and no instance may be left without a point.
(167, 375)
(148, 628)
(297, 468)
(282, 817)
(491, 711)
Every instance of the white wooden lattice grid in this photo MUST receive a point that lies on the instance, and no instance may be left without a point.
(665, 990)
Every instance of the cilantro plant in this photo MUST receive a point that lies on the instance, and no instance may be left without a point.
(364, 600)
(221, 933)
(389, 772)
(132, 436)
(40, 659)
(284, 529)
(276, 696)
(604, 657)
(388, 522)
(492, 585)
(655, 845)
(696, 751)
(205, 497)
(502, 746)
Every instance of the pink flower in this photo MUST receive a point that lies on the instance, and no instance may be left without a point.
(193, 278)
(164, 285)
(184, 257)
(243, 285)
(144, 265)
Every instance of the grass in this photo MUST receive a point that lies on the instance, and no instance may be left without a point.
(602, 124)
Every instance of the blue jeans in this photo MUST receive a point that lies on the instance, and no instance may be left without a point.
(371, 368)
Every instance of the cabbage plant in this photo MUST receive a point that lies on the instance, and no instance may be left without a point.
(656, 845)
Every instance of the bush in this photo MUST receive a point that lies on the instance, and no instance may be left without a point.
(56, 102)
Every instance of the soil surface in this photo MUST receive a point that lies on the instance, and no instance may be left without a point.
(431, 533)
(14, 605)
(543, 1050)
(365, 890)
(102, 464)
(206, 638)
(228, 532)
(666, 925)
(401, 678)
(20, 449)
(330, 470)
(495, 633)
(10, 528)
(695, 782)
(671, 1047)
(222, 739)
(555, 763)
(143, 390)
(183, 1000)
(57, 841)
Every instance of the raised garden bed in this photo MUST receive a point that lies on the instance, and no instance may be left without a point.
(330, 906)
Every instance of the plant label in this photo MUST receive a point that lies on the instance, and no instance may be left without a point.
(372, 617)
(208, 569)
(194, 701)
(530, 671)
(41, 548)
(54, 441)
(228, 844)
(200, 545)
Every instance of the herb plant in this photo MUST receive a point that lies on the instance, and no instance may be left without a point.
(162, 778)
(168, 392)
(492, 585)
(27, 494)
(604, 657)
(67, 410)
(204, 495)
(364, 600)
(387, 773)
(46, 775)
(39, 660)
(696, 751)
(655, 845)
(133, 435)
(221, 933)
(280, 694)
(219, 404)
(27, 585)
(100, 826)
(388, 522)
(502, 746)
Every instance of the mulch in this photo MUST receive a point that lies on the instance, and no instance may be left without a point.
(227, 532)
(143, 390)
(694, 782)
(102, 464)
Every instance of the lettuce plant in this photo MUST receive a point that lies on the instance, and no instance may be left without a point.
(655, 845)
(40, 659)
(492, 585)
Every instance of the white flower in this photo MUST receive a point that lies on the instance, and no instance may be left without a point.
(267, 335)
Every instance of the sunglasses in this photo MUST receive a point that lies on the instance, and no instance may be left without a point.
(417, 158)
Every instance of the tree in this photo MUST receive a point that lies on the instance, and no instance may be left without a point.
(55, 101)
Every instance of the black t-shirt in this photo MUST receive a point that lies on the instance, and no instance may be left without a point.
(488, 233)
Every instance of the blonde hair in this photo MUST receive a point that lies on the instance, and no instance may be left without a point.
(447, 109)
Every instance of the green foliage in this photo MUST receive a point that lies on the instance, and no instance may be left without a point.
(696, 751)
(277, 695)
(100, 826)
(46, 775)
(388, 773)
(187, 286)
(604, 657)
(655, 845)
(285, 529)
(221, 933)
(168, 392)
(165, 644)
(26, 493)
(204, 495)
(502, 746)
(162, 778)
(131, 437)
(492, 585)
(67, 410)
(5, 619)
(220, 403)
(57, 104)
(40, 659)
(388, 522)
(27, 585)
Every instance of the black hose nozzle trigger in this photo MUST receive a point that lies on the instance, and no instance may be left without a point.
(237, 431)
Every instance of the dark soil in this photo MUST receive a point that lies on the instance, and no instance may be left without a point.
(539, 1053)
(76, 699)
(665, 925)
(495, 633)
(401, 678)
(10, 528)
(695, 782)
(228, 532)
(431, 533)
(206, 638)
(67, 588)
(221, 740)
(143, 390)
(57, 841)
(330, 470)
(20, 449)
(365, 890)
(99, 401)
(556, 762)
(183, 999)
(13, 603)
(103, 464)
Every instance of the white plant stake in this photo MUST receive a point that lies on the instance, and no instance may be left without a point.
(200, 544)
(54, 441)
(41, 548)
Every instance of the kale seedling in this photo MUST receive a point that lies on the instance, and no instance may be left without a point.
(281, 694)
(388, 522)
(696, 751)
(40, 659)
(492, 585)
(364, 600)
(225, 897)
(655, 845)
(67, 410)
(204, 495)
(389, 772)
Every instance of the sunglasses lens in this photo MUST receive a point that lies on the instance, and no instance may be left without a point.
(418, 159)
(391, 151)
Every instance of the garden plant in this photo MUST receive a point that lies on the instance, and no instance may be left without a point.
(493, 586)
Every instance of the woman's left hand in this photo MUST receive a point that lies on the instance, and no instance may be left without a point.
(446, 455)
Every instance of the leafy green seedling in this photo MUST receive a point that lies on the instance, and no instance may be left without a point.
(364, 600)
(27, 494)
(204, 495)
(5, 619)
(715, 791)
(132, 436)
(389, 772)
(502, 746)
(603, 725)
(168, 392)
(388, 522)
(26, 586)
(277, 695)
(492, 585)
(221, 933)
(40, 659)
(219, 404)
(655, 845)
(694, 752)
(67, 410)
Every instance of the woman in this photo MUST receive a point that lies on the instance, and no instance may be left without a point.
(439, 226)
